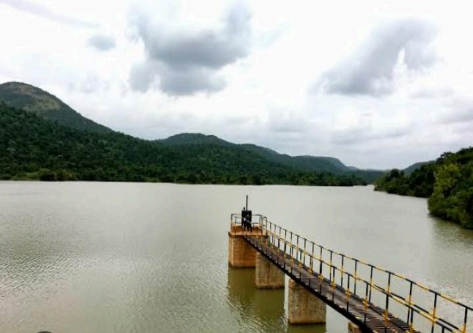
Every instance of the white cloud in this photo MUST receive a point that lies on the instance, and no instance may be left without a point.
(244, 73)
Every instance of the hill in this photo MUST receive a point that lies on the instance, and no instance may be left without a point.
(32, 99)
(193, 139)
(49, 107)
(34, 148)
(447, 182)
(410, 169)
(300, 163)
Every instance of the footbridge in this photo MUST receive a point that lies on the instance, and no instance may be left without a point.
(372, 298)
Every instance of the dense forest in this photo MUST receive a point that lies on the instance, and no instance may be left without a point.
(447, 182)
(35, 100)
(34, 148)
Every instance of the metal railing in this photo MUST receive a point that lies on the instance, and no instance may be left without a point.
(389, 294)
(257, 220)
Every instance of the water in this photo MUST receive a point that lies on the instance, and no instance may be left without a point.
(119, 257)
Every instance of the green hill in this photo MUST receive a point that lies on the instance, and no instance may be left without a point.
(410, 169)
(193, 139)
(49, 107)
(447, 182)
(33, 99)
(300, 163)
(34, 148)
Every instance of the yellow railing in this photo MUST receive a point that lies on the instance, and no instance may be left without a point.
(375, 286)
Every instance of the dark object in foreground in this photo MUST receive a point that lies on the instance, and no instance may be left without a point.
(246, 217)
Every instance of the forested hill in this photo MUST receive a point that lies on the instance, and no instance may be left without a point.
(447, 182)
(34, 148)
(32, 99)
(300, 163)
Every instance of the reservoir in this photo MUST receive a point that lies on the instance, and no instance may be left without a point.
(143, 257)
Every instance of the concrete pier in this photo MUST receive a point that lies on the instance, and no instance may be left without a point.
(268, 275)
(240, 253)
(304, 307)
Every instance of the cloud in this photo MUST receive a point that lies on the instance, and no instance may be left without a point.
(355, 136)
(427, 93)
(459, 111)
(35, 8)
(185, 61)
(371, 70)
(101, 42)
(284, 121)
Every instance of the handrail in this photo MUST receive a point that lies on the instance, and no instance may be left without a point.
(314, 257)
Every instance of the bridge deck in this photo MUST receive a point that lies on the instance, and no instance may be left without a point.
(369, 317)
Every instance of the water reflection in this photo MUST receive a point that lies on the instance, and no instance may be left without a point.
(262, 306)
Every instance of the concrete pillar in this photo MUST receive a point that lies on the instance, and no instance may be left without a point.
(267, 274)
(353, 328)
(240, 253)
(304, 307)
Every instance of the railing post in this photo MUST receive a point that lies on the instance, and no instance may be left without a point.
(410, 311)
(365, 302)
(285, 242)
(279, 238)
(347, 292)
(355, 276)
(333, 282)
(331, 255)
(305, 241)
(371, 281)
(321, 264)
(434, 312)
(312, 259)
(465, 321)
(292, 249)
(386, 309)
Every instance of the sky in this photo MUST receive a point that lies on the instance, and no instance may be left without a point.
(374, 84)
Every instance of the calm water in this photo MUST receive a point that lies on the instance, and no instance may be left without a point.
(118, 257)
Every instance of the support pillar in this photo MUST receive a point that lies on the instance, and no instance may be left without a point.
(267, 274)
(304, 307)
(240, 253)
(353, 328)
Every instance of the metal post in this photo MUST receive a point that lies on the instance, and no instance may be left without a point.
(279, 238)
(331, 254)
(409, 309)
(371, 281)
(290, 252)
(434, 312)
(333, 282)
(356, 277)
(320, 259)
(347, 292)
(465, 321)
(365, 302)
(305, 240)
(312, 259)
(285, 242)
(386, 309)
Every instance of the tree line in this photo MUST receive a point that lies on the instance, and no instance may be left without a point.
(32, 148)
(447, 183)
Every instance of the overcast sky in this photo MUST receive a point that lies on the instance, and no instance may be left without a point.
(378, 86)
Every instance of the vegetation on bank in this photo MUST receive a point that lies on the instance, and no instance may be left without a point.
(34, 148)
(447, 182)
